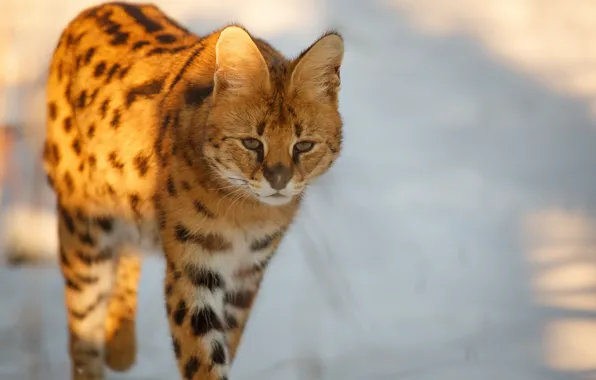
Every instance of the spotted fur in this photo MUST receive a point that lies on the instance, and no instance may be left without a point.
(199, 146)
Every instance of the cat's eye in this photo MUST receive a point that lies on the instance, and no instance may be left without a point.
(252, 144)
(303, 146)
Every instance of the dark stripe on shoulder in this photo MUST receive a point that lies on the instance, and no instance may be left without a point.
(185, 66)
(195, 94)
(134, 11)
(147, 89)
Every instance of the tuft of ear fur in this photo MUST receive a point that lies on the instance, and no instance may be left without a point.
(240, 66)
(316, 73)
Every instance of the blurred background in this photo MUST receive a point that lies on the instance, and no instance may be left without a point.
(455, 239)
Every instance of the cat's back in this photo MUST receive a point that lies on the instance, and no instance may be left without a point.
(108, 73)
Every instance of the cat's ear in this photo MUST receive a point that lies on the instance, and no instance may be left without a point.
(316, 72)
(240, 66)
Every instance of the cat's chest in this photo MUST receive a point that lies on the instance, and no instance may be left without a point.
(249, 248)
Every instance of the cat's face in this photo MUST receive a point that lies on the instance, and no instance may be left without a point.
(271, 131)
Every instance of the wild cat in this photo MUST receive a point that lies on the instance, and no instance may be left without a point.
(202, 146)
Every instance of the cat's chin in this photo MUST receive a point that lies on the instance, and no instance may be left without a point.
(275, 200)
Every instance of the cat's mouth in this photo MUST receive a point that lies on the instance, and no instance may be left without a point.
(275, 199)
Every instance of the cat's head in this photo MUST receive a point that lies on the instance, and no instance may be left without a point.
(274, 125)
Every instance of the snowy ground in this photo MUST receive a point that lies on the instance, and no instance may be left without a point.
(454, 240)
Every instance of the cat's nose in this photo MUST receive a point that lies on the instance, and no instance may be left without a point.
(278, 175)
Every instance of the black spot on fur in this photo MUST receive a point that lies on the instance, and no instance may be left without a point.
(176, 346)
(204, 320)
(82, 99)
(68, 181)
(141, 163)
(156, 51)
(171, 187)
(115, 122)
(60, 70)
(119, 39)
(166, 38)
(115, 161)
(180, 313)
(52, 111)
(87, 279)
(72, 285)
(87, 239)
(104, 108)
(204, 277)
(135, 201)
(231, 321)
(177, 275)
(100, 68)
(106, 223)
(113, 28)
(146, 90)
(139, 44)
(50, 182)
(63, 258)
(134, 11)
(194, 94)
(67, 219)
(123, 72)
(112, 72)
(218, 355)
(210, 242)
(55, 154)
(202, 209)
(76, 146)
(78, 62)
(185, 185)
(94, 258)
(89, 309)
(92, 162)
(67, 124)
(191, 367)
(265, 242)
(89, 55)
(91, 131)
(93, 96)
